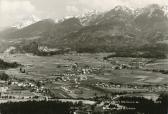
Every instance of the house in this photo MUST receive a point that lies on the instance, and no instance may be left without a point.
(82, 77)
(3, 89)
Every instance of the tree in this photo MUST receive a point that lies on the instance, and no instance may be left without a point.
(4, 76)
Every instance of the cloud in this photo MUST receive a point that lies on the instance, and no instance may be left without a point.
(143, 3)
(15, 6)
(109, 4)
(13, 10)
(72, 9)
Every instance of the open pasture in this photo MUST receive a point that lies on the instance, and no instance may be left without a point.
(44, 67)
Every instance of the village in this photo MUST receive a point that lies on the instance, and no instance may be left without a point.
(99, 84)
(75, 82)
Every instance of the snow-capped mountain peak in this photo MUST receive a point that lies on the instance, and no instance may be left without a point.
(123, 8)
(165, 9)
(152, 10)
(63, 19)
(26, 21)
(89, 15)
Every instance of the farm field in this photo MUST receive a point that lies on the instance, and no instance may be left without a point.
(159, 64)
(40, 68)
(83, 76)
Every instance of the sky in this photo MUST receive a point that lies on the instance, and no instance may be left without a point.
(12, 11)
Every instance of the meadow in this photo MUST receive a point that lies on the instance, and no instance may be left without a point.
(41, 68)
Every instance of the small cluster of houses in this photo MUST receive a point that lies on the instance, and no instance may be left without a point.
(23, 84)
(110, 105)
(66, 89)
(46, 49)
(149, 88)
(107, 85)
(128, 66)
(7, 93)
(111, 85)
(3, 89)
(75, 74)
(30, 86)
(71, 78)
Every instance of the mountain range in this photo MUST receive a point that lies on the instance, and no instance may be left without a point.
(26, 21)
(120, 29)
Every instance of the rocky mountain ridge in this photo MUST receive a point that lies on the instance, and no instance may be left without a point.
(119, 29)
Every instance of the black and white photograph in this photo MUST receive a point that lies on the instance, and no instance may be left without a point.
(83, 56)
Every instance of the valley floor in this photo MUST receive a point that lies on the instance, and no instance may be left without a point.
(82, 76)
